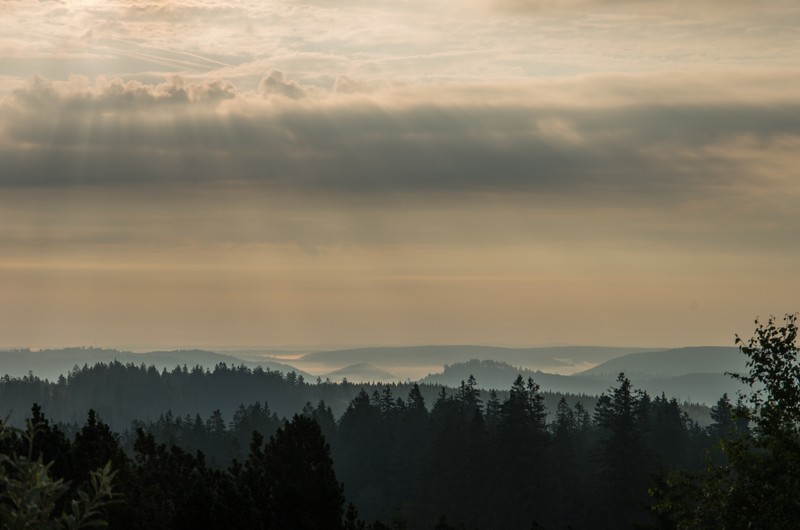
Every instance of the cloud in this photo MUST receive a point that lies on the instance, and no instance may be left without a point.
(78, 93)
(390, 43)
(275, 83)
(348, 85)
(651, 138)
(553, 5)
(696, 7)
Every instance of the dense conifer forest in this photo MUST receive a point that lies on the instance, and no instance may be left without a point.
(396, 458)
(124, 393)
(492, 464)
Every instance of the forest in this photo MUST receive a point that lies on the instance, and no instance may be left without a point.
(398, 458)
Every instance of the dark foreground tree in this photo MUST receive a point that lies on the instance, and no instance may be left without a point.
(30, 496)
(623, 455)
(171, 489)
(758, 483)
(292, 478)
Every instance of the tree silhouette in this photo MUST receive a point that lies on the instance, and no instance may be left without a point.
(621, 416)
(758, 483)
(30, 495)
(303, 491)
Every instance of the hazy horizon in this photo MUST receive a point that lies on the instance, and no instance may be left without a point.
(387, 363)
(293, 350)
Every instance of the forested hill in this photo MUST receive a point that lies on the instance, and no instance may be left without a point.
(122, 393)
(50, 364)
(674, 362)
(685, 385)
(496, 374)
(438, 355)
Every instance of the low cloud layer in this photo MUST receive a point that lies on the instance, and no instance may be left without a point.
(632, 140)
(115, 95)
(275, 83)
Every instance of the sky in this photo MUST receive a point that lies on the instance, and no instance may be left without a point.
(363, 172)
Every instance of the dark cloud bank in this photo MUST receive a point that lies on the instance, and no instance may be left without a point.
(116, 133)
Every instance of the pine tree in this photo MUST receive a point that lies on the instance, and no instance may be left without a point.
(492, 411)
(361, 460)
(521, 473)
(469, 397)
(304, 492)
(622, 452)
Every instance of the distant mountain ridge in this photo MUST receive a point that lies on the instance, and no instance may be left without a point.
(361, 372)
(555, 356)
(499, 376)
(52, 363)
(673, 362)
(692, 387)
(691, 373)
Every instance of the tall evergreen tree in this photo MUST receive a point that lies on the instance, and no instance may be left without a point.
(304, 492)
(624, 465)
(469, 396)
(520, 469)
(492, 411)
(361, 461)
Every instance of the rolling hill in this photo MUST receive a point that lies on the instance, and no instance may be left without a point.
(705, 388)
(52, 363)
(499, 376)
(560, 358)
(362, 372)
(674, 362)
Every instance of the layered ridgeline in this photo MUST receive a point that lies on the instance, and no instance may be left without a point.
(695, 374)
(673, 362)
(402, 360)
(52, 363)
(411, 453)
(122, 393)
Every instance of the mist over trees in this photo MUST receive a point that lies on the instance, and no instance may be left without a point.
(122, 393)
